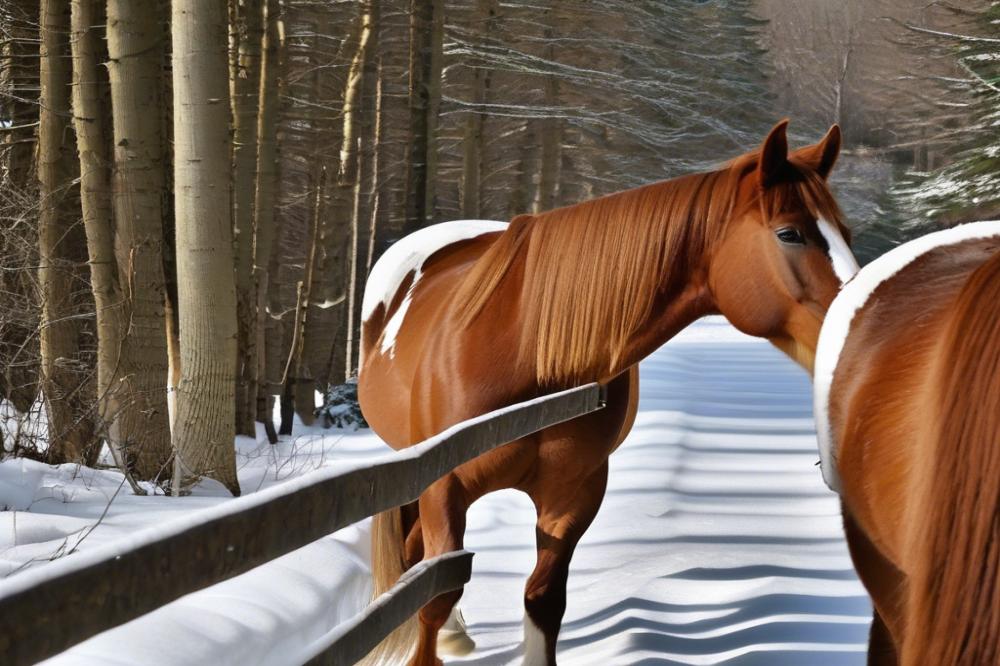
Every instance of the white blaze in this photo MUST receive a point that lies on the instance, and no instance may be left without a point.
(852, 298)
(844, 263)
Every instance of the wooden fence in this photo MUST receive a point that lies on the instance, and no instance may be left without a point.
(50, 608)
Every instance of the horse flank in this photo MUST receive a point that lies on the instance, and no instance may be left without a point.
(954, 525)
(594, 271)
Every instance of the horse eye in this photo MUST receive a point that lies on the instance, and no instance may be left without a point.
(791, 236)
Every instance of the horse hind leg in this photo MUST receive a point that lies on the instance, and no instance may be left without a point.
(442, 523)
(563, 517)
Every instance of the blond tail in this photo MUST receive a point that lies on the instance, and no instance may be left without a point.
(388, 564)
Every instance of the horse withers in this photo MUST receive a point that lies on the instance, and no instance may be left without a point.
(464, 317)
(907, 402)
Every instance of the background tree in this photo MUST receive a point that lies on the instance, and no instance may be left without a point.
(60, 248)
(353, 123)
(204, 425)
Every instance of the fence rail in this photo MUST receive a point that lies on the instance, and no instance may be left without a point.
(51, 608)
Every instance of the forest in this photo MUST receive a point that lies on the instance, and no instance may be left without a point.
(192, 193)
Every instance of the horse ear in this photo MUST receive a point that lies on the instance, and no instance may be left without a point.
(823, 155)
(773, 155)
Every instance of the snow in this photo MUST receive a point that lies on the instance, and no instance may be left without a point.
(852, 298)
(717, 542)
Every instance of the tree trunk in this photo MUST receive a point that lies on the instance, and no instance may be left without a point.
(70, 432)
(89, 115)
(426, 35)
(264, 200)
(551, 140)
(246, 90)
(132, 344)
(204, 426)
(472, 156)
(352, 174)
(296, 370)
(19, 71)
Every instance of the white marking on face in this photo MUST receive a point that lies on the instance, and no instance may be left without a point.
(534, 644)
(844, 263)
(406, 255)
(837, 324)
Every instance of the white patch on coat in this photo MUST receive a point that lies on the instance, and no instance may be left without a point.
(406, 255)
(453, 638)
(534, 644)
(844, 263)
(837, 325)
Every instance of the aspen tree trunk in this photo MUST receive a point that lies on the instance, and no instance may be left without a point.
(426, 35)
(70, 434)
(351, 173)
(263, 210)
(246, 91)
(204, 426)
(89, 113)
(136, 36)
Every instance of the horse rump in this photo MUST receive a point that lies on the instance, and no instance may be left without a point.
(953, 594)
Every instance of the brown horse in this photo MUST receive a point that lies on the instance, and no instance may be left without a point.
(908, 415)
(465, 317)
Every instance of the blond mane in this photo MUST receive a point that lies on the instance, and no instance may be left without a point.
(592, 271)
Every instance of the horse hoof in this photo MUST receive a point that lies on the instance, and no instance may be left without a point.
(453, 639)
(455, 644)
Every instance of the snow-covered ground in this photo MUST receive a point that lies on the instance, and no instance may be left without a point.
(717, 542)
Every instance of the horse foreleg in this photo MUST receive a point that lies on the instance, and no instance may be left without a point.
(442, 523)
(563, 517)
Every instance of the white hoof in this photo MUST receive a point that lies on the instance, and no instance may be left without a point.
(453, 639)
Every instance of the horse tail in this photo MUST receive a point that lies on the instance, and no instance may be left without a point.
(953, 601)
(388, 564)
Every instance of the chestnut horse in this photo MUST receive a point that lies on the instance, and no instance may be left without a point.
(464, 317)
(908, 415)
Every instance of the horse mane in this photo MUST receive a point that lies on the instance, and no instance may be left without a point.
(593, 271)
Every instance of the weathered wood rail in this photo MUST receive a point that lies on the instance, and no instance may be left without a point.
(48, 609)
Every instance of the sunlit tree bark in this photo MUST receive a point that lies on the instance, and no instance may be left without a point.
(204, 425)
(70, 431)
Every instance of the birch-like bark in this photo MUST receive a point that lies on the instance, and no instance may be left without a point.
(136, 368)
(70, 432)
(89, 113)
(351, 175)
(204, 425)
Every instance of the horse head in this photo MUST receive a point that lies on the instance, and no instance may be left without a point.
(785, 251)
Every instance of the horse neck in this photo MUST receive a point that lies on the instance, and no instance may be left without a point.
(628, 294)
